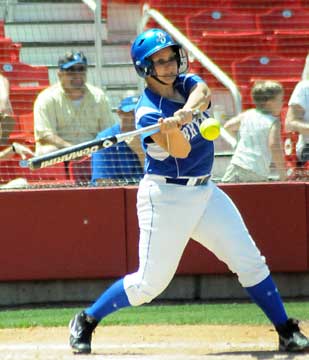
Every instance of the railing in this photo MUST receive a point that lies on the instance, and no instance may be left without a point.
(95, 7)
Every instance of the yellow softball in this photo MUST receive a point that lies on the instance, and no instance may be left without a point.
(210, 129)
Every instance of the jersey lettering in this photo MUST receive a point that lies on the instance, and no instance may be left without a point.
(192, 129)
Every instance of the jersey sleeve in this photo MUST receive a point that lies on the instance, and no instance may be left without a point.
(189, 81)
(146, 117)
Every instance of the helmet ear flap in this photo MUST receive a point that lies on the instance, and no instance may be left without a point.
(145, 67)
(149, 67)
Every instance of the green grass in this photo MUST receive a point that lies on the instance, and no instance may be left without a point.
(231, 313)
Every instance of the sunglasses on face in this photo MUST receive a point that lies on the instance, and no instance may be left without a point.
(162, 62)
(76, 69)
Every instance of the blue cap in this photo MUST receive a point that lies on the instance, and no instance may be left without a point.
(71, 59)
(128, 104)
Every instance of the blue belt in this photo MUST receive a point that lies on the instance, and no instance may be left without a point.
(189, 182)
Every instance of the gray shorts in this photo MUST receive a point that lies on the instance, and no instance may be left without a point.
(236, 174)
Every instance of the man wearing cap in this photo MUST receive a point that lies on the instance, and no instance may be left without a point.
(71, 111)
(124, 161)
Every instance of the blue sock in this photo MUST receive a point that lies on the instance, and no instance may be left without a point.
(266, 296)
(113, 299)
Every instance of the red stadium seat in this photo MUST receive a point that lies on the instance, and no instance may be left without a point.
(289, 28)
(25, 83)
(176, 11)
(22, 98)
(225, 36)
(288, 71)
(2, 33)
(260, 6)
(23, 132)
(10, 170)
(80, 170)
(24, 75)
(217, 20)
(104, 9)
(304, 4)
(9, 51)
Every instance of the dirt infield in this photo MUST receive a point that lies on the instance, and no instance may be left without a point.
(190, 342)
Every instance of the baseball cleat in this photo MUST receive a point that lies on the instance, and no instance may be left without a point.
(81, 329)
(290, 337)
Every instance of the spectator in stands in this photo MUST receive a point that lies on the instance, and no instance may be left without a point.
(6, 126)
(9, 152)
(259, 136)
(297, 118)
(124, 161)
(6, 117)
(6, 112)
(71, 111)
(5, 105)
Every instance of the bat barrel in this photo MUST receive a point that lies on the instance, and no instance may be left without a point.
(75, 152)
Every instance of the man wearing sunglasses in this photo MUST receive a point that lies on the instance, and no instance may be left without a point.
(71, 111)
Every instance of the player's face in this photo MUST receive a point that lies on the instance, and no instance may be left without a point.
(165, 65)
(74, 77)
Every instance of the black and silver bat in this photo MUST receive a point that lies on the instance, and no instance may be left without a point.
(85, 148)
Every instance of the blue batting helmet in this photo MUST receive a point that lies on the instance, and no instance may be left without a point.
(147, 44)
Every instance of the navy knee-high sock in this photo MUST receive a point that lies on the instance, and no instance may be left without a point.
(267, 297)
(113, 299)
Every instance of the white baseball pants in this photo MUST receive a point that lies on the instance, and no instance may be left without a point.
(169, 215)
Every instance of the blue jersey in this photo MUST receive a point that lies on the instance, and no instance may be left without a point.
(150, 108)
(116, 162)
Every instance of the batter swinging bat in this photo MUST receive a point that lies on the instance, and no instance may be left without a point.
(85, 148)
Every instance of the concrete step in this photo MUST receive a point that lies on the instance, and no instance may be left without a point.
(48, 55)
(2, 9)
(120, 77)
(123, 17)
(61, 32)
(122, 20)
(48, 11)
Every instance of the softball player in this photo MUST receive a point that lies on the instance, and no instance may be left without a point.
(177, 200)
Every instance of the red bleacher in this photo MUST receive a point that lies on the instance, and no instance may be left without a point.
(288, 28)
(224, 35)
(26, 82)
(176, 11)
(9, 51)
(261, 6)
(2, 33)
(24, 75)
(249, 40)
(268, 66)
